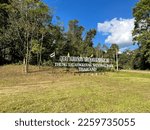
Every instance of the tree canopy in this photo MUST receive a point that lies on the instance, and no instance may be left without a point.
(141, 32)
(28, 35)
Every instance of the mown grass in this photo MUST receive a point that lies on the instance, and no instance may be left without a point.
(44, 91)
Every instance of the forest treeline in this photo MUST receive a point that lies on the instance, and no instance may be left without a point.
(28, 36)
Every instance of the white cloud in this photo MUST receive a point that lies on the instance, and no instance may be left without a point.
(119, 31)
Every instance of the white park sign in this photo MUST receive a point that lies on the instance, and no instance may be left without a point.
(84, 64)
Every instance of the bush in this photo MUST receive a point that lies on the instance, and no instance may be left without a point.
(48, 63)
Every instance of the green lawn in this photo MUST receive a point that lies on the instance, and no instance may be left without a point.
(64, 92)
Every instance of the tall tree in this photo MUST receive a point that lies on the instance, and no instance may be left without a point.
(141, 31)
(26, 18)
(74, 43)
(98, 50)
(88, 42)
(126, 59)
(89, 37)
(3, 26)
(113, 54)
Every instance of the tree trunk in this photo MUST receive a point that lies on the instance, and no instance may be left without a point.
(117, 60)
(40, 58)
(38, 61)
(27, 59)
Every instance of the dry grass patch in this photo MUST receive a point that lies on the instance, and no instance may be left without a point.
(43, 91)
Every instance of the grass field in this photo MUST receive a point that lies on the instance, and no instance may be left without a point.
(42, 91)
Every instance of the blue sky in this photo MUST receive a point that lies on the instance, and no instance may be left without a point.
(91, 12)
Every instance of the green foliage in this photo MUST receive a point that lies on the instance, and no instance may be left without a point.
(27, 34)
(89, 36)
(112, 51)
(141, 31)
(74, 39)
(126, 60)
(27, 20)
(36, 47)
(112, 54)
